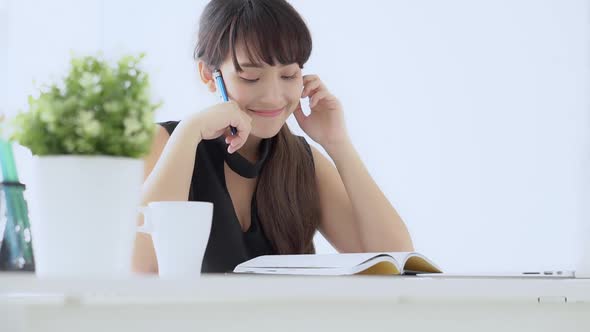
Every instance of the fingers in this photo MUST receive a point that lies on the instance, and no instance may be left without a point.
(242, 138)
(312, 84)
(317, 97)
(235, 142)
(309, 78)
(242, 122)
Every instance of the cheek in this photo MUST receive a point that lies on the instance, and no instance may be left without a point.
(299, 87)
(240, 94)
(294, 95)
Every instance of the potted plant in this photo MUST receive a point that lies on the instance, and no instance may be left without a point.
(87, 134)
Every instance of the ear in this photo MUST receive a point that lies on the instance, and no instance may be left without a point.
(207, 76)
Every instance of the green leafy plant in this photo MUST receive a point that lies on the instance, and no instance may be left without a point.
(97, 109)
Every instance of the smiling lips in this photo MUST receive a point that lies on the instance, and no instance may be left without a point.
(268, 113)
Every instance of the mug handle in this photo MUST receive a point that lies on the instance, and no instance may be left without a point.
(147, 226)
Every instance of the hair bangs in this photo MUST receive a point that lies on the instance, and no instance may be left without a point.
(269, 35)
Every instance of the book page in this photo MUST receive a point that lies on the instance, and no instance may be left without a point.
(415, 262)
(380, 265)
(309, 261)
(340, 264)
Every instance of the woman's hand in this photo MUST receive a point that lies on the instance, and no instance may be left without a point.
(325, 124)
(215, 121)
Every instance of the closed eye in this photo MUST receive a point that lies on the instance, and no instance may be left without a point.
(290, 77)
(249, 81)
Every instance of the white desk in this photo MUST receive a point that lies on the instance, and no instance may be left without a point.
(264, 303)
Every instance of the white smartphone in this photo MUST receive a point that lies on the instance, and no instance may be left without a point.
(305, 106)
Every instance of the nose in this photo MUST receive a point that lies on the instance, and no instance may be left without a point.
(272, 94)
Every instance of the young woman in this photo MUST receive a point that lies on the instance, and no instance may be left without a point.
(271, 190)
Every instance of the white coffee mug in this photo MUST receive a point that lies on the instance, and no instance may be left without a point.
(180, 233)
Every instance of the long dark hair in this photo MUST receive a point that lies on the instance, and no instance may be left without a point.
(271, 31)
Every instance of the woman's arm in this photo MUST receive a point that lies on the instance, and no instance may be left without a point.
(169, 166)
(168, 171)
(357, 217)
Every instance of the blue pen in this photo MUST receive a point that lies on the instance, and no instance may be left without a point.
(222, 93)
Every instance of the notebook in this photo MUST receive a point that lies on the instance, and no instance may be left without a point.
(384, 263)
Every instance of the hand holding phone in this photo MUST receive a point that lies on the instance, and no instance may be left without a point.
(222, 92)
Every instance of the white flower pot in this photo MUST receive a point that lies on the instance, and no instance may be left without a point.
(83, 215)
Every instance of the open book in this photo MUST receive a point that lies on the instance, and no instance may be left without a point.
(385, 263)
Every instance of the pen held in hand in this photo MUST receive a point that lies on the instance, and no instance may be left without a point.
(222, 93)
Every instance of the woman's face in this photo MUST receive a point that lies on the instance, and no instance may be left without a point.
(269, 94)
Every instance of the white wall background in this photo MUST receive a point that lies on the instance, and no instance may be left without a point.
(471, 115)
(3, 54)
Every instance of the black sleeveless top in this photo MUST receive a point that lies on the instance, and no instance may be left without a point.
(228, 245)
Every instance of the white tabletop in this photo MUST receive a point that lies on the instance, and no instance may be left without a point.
(267, 303)
(236, 288)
